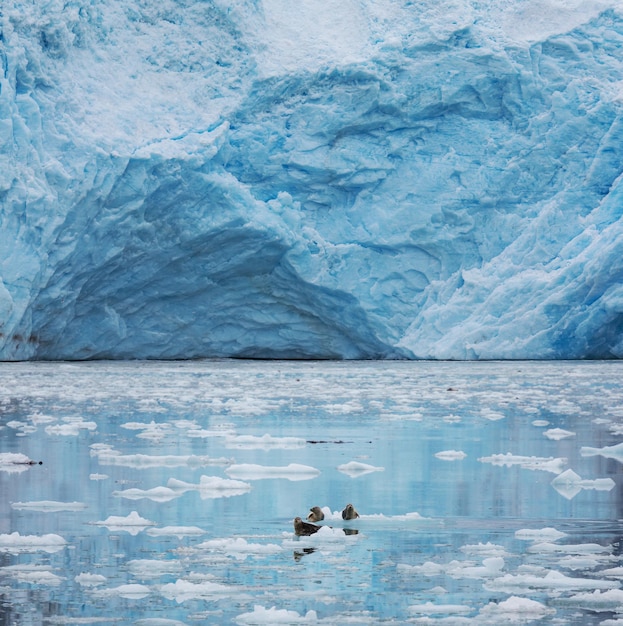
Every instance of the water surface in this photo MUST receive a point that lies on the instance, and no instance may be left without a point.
(166, 492)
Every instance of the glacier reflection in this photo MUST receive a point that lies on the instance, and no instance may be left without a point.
(166, 492)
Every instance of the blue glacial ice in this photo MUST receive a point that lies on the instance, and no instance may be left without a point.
(350, 179)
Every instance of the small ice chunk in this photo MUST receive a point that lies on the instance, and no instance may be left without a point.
(152, 568)
(293, 471)
(608, 452)
(71, 427)
(355, 469)
(553, 581)
(273, 615)
(539, 534)
(428, 608)
(176, 531)
(90, 580)
(14, 462)
(239, 547)
(515, 610)
(133, 523)
(451, 455)
(558, 433)
(131, 591)
(540, 423)
(157, 494)
(549, 464)
(611, 600)
(16, 543)
(569, 484)
(49, 506)
(182, 590)
(265, 442)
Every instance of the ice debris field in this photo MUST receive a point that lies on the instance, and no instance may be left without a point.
(164, 494)
(324, 179)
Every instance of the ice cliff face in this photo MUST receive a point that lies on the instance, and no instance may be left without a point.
(320, 179)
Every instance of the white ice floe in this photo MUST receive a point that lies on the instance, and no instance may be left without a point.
(429, 608)
(273, 615)
(293, 471)
(71, 427)
(608, 452)
(355, 469)
(568, 484)
(452, 418)
(549, 464)
(513, 610)
(490, 568)
(540, 423)
(133, 523)
(492, 415)
(208, 487)
(16, 543)
(182, 590)
(613, 572)
(157, 621)
(451, 455)
(484, 549)
(152, 568)
(107, 455)
(14, 462)
(558, 433)
(44, 577)
(49, 506)
(265, 442)
(327, 538)
(131, 591)
(96, 476)
(579, 562)
(153, 431)
(552, 582)
(573, 548)
(157, 494)
(611, 600)
(539, 534)
(86, 579)
(176, 531)
(239, 547)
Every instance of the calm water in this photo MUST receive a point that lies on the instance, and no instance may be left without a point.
(166, 492)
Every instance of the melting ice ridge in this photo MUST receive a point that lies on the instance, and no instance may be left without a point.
(352, 179)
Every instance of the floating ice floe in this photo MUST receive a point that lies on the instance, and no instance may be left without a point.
(513, 610)
(490, 568)
(549, 464)
(540, 423)
(552, 582)
(558, 433)
(153, 568)
(569, 484)
(450, 455)
(608, 452)
(485, 549)
(152, 431)
(49, 506)
(273, 615)
(611, 600)
(90, 580)
(239, 547)
(131, 591)
(429, 608)
(71, 427)
(44, 577)
(107, 455)
(176, 531)
(566, 548)
(16, 543)
(208, 487)
(265, 442)
(539, 534)
(293, 471)
(492, 415)
(182, 590)
(133, 523)
(157, 621)
(14, 462)
(355, 469)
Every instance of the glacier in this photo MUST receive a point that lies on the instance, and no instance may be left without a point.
(330, 179)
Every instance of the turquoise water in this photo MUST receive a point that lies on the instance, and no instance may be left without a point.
(166, 492)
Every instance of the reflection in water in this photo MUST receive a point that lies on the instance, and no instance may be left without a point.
(485, 492)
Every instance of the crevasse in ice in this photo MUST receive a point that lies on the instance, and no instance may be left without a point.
(339, 179)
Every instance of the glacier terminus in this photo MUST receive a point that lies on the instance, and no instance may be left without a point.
(344, 179)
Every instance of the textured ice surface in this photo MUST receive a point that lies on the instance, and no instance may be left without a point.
(347, 179)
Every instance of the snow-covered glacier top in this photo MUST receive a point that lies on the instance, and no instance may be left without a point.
(311, 179)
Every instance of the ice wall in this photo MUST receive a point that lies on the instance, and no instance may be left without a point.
(319, 179)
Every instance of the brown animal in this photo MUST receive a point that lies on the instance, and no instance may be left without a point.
(302, 528)
(349, 512)
(316, 514)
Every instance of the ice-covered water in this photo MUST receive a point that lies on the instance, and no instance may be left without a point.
(489, 492)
